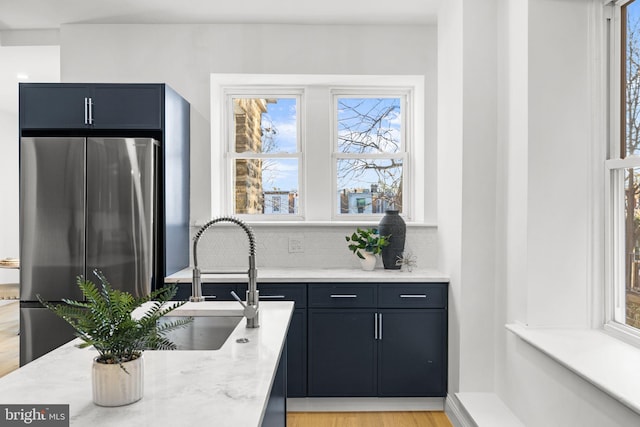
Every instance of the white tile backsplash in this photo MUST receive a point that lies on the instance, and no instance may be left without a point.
(226, 247)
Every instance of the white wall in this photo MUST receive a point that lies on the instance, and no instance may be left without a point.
(543, 253)
(450, 141)
(467, 185)
(515, 203)
(184, 56)
(9, 242)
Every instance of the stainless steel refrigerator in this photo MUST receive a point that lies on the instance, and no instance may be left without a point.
(85, 204)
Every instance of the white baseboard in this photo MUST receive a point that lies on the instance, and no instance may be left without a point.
(364, 404)
(480, 410)
(456, 413)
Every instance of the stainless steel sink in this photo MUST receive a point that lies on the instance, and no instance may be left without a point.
(204, 333)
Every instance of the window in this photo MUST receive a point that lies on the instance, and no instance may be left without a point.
(317, 148)
(624, 170)
(264, 151)
(369, 153)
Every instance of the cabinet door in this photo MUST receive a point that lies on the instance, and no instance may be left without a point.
(342, 352)
(53, 106)
(412, 348)
(128, 106)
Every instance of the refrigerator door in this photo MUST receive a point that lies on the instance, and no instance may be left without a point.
(121, 215)
(52, 217)
(40, 331)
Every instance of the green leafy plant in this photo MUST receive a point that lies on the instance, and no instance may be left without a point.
(104, 320)
(367, 240)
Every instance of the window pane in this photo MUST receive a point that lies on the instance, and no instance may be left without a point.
(265, 125)
(266, 186)
(369, 186)
(369, 125)
(631, 128)
(632, 246)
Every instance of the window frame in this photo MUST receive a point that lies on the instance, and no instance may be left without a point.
(406, 145)
(231, 155)
(316, 208)
(614, 167)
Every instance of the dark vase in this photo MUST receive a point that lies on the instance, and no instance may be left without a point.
(392, 224)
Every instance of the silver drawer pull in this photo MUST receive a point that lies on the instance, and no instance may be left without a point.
(413, 296)
(271, 296)
(343, 296)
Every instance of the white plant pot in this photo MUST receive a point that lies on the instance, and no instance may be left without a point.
(113, 386)
(369, 261)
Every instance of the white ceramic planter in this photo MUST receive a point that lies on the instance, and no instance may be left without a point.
(369, 261)
(113, 386)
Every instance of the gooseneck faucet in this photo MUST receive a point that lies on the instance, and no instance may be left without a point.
(253, 296)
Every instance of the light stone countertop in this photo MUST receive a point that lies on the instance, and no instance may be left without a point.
(225, 387)
(318, 275)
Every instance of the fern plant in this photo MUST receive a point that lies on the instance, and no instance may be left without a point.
(104, 320)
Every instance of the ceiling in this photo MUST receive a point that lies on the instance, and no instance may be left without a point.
(30, 14)
(42, 63)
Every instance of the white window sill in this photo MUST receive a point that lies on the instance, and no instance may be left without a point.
(606, 362)
(319, 224)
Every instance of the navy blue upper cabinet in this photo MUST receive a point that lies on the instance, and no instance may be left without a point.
(47, 106)
(91, 106)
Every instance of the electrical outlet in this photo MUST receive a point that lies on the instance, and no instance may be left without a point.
(296, 244)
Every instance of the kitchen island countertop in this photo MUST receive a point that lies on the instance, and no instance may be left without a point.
(318, 275)
(225, 387)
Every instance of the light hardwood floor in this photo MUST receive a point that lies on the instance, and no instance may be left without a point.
(9, 360)
(367, 419)
(9, 339)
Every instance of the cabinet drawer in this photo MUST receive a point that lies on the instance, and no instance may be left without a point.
(433, 295)
(212, 291)
(218, 291)
(294, 292)
(338, 295)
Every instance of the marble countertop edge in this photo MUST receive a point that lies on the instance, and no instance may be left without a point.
(317, 275)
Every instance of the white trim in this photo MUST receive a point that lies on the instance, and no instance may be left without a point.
(606, 362)
(364, 404)
(455, 411)
(486, 409)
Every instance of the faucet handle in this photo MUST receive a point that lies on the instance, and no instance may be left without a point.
(250, 311)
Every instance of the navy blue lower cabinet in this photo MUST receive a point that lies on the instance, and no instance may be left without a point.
(297, 354)
(410, 357)
(275, 415)
(387, 340)
(342, 352)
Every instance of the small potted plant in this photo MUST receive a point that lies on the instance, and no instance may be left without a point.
(367, 244)
(104, 321)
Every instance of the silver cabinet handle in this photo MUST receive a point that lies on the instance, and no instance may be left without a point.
(86, 110)
(375, 327)
(343, 296)
(413, 296)
(90, 111)
(206, 297)
(380, 326)
(271, 296)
